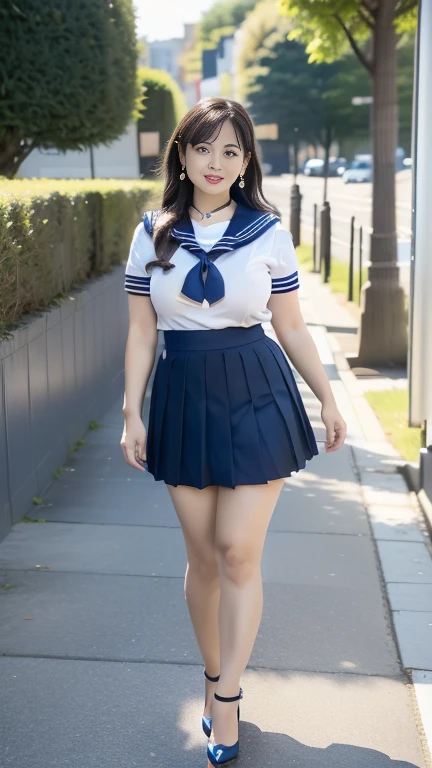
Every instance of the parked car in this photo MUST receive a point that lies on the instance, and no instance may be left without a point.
(358, 172)
(315, 166)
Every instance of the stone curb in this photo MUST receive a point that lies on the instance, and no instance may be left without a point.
(403, 582)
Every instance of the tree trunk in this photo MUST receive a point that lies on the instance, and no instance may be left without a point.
(383, 322)
(13, 151)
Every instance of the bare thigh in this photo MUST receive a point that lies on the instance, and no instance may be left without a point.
(196, 511)
(242, 519)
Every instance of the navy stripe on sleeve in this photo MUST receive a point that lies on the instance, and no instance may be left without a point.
(285, 284)
(137, 285)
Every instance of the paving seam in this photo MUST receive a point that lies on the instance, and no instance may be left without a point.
(125, 575)
(126, 660)
(178, 527)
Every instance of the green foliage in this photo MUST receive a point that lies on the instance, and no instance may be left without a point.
(223, 18)
(320, 24)
(310, 102)
(225, 13)
(55, 235)
(312, 99)
(68, 74)
(261, 31)
(164, 103)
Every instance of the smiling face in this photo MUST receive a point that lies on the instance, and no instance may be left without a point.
(214, 165)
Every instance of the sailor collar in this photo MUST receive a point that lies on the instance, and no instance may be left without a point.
(245, 226)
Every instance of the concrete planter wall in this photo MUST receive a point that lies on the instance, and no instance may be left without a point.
(58, 372)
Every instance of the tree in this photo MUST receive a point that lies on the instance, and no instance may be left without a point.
(309, 102)
(371, 28)
(260, 31)
(68, 75)
(163, 107)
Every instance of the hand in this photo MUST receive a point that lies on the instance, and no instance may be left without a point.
(133, 442)
(335, 427)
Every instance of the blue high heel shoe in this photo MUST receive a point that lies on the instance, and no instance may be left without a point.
(220, 754)
(207, 721)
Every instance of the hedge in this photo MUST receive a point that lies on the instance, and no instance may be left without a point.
(56, 234)
(164, 107)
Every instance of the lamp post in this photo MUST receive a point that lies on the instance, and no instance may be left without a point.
(420, 315)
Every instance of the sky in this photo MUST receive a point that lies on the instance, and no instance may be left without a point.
(162, 19)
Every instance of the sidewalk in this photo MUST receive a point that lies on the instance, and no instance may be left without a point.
(100, 667)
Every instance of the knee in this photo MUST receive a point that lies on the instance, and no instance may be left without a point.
(236, 562)
(204, 564)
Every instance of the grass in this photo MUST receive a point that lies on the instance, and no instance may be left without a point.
(338, 281)
(391, 408)
(305, 257)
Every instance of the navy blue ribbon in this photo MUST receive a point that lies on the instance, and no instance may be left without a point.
(244, 227)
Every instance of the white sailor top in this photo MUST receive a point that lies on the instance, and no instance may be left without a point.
(224, 273)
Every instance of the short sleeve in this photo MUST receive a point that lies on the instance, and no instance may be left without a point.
(283, 262)
(137, 280)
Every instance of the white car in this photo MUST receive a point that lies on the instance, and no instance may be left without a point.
(358, 172)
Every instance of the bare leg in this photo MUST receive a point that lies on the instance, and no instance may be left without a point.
(196, 510)
(242, 518)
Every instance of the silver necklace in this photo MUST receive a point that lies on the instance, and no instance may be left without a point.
(208, 215)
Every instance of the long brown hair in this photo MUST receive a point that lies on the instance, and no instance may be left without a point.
(198, 125)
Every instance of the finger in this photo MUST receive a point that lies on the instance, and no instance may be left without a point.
(339, 438)
(329, 435)
(129, 454)
(141, 450)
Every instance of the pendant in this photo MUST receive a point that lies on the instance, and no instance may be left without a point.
(208, 215)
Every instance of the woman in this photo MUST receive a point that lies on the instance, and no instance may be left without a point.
(227, 423)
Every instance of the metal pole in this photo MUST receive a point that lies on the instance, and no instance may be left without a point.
(92, 170)
(360, 258)
(325, 239)
(351, 262)
(295, 214)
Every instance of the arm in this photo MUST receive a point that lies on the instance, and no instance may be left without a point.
(294, 337)
(293, 334)
(140, 346)
(139, 360)
(140, 353)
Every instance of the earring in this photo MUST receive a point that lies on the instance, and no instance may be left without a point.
(182, 175)
(241, 182)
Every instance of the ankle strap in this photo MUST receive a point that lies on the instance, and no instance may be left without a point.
(229, 698)
(212, 679)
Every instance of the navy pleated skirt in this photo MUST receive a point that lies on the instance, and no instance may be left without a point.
(225, 409)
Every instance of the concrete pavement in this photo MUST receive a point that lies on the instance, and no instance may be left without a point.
(99, 666)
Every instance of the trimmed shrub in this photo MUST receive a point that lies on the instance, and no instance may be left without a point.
(57, 234)
(164, 107)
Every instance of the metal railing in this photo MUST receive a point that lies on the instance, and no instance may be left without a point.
(322, 248)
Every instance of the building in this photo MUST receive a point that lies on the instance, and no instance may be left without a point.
(119, 160)
(218, 69)
(166, 55)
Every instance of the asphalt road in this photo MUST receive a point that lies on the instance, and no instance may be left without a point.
(346, 200)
